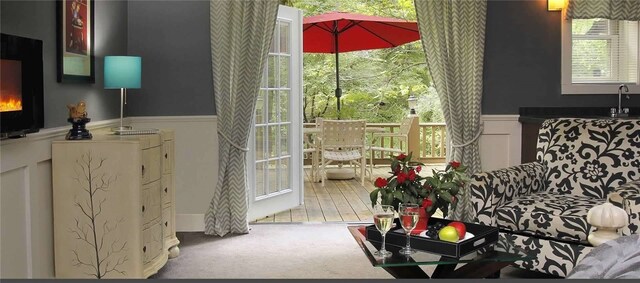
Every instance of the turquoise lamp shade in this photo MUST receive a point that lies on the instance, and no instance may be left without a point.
(122, 72)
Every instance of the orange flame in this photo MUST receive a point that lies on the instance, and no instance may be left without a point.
(10, 104)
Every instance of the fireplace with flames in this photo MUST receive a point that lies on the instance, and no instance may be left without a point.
(11, 88)
(21, 92)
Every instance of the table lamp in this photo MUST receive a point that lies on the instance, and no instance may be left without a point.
(122, 72)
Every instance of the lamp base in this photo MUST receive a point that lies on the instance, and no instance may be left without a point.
(120, 129)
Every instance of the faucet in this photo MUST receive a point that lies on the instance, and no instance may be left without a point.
(621, 112)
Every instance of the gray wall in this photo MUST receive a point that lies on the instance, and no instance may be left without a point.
(522, 60)
(37, 19)
(173, 39)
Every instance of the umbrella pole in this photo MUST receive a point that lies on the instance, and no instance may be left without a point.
(338, 89)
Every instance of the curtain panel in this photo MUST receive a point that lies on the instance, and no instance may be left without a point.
(626, 10)
(452, 34)
(241, 32)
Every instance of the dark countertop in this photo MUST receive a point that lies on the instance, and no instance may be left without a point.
(537, 115)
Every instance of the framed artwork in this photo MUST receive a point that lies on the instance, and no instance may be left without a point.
(75, 41)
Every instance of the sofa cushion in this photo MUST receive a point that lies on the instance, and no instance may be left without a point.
(589, 157)
(551, 215)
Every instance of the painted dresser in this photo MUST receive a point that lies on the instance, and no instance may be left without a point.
(113, 205)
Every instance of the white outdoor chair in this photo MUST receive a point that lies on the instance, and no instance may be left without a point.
(312, 148)
(343, 141)
(402, 136)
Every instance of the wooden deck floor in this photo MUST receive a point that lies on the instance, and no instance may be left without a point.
(337, 201)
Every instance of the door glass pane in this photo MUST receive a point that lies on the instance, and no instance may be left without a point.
(284, 139)
(273, 106)
(284, 174)
(273, 71)
(273, 141)
(260, 150)
(260, 105)
(284, 37)
(284, 106)
(260, 185)
(284, 71)
(273, 48)
(273, 176)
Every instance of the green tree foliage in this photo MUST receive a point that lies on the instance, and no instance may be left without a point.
(376, 83)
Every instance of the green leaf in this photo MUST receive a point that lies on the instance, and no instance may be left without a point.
(448, 185)
(398, 195)
(387, 199)
(374, 197)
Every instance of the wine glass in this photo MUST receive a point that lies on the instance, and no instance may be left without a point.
(383, 219)
(408, 219)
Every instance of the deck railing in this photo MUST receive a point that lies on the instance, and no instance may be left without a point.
(432, 142)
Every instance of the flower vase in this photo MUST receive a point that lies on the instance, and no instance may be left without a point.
(423, 219)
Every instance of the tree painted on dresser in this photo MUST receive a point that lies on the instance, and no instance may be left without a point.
(106, 255)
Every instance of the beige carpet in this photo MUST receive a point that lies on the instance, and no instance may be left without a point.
(319, 250)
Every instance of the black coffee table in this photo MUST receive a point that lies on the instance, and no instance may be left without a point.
(485, 265)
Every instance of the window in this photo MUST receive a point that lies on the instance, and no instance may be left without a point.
(598, 55)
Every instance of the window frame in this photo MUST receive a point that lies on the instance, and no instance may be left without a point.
(570, 88)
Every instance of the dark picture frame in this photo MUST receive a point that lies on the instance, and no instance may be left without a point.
(75, 44)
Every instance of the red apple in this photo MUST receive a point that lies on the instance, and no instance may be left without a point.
(462, 230)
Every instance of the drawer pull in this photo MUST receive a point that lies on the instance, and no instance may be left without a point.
(144, 249)
(166, 190)
(166, 156)
(166, 223)
(142, 169)
(143, 208)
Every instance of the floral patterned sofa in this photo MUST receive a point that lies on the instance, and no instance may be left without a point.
(543, 205)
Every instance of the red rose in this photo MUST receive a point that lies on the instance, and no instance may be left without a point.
(454, 164)
(401, 177)
(419, 168)
(426, 203)
(412, 175)
(401, 156)
(381, 182)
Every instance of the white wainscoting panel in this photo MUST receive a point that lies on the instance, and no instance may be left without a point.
(196, 161)
(500, 142)
(13, 213)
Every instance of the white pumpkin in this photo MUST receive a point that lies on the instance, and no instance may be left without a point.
(607, 215)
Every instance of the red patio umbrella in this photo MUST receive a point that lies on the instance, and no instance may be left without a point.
(337, 32)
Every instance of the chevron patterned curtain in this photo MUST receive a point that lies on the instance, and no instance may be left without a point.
(241, 33)
(625, 10)
(452, 34)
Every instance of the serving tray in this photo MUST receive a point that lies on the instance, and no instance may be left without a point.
(482, 236)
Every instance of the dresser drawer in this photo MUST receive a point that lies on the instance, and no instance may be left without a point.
(167, 157)
(151, 164)
(151, 202)
(167, 222)
(167, 188)
(152, 242)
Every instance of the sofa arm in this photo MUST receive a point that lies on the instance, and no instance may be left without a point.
(490, 189)
(627, 197)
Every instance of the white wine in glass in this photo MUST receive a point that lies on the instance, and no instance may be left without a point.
(383, 219)
(409, 216)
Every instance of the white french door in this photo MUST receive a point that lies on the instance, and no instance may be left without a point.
(275, 161)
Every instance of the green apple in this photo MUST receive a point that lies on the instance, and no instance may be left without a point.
(449, 234)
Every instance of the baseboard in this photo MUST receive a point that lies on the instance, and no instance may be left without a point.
(189, 222)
